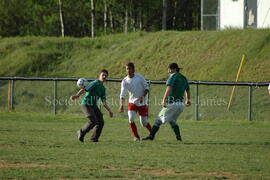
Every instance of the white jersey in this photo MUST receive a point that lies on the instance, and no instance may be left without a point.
(136, 87)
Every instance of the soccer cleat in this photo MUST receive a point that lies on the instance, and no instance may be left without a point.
(80, 135)
(150, 137)
(179, 138)
(136, 139)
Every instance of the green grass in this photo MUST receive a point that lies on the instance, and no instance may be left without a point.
(40, 146)
(207, 55)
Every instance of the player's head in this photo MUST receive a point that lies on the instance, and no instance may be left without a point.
(173, 67)
(103, 75)
(130, 68)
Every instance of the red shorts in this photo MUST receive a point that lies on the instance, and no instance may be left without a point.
(142, 110)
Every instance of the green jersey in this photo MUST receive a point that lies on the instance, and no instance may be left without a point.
(179, 85)
(94, 91)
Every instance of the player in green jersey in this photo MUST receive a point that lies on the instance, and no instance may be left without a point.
(93, 92)
(173, 102)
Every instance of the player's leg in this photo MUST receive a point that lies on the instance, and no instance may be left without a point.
(143, 112)
(99, 125)
(167, 114)
(161, 119)
(177, 109)
(132, 125)
(144, 122)
(176, 130)
(92, 120)
(154, 129)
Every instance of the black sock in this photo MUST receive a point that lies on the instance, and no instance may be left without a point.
(154, 130)
(176, 130)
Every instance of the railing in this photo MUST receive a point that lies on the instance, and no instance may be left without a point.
(250, 86)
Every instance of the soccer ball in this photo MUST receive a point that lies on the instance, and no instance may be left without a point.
(82, 82)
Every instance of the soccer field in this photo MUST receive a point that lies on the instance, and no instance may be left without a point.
(40, 146)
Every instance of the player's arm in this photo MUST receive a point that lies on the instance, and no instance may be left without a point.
(187, 95)
(122, 97)
(107, 108)
(146, 91)
(79, 93)
(121, 102)
(166, 94)
(187, 98)
(144, 94)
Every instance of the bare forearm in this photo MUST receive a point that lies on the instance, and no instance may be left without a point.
(167, 92)
(188, 95)
(187, 99)
(106, 107)
(145, 92)
(122, 101)
(79, 93)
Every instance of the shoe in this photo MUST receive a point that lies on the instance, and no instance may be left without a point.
(136, 139)
(148, 138)
(179, 138)
(80, 135)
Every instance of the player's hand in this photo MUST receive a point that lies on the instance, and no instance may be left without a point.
(141, 99)
(121, 109)
(73, 97)
(163, 104)
(111, 114)
(187, 103)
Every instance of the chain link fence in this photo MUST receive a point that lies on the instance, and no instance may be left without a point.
(209, 99)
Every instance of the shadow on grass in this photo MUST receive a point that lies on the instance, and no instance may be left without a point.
(228, 143)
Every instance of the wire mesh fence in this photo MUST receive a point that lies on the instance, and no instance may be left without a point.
(209, 99)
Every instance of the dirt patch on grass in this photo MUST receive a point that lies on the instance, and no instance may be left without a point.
(6, 145)
(174, 173)
(7, 165)
(226, 175)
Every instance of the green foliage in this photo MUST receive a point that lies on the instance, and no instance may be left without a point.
(41, 17)
(13, 16)
(37, 146)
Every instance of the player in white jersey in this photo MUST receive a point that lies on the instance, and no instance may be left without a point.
(137, 88)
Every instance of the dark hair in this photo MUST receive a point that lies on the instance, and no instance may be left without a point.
(104, 71)
(174, 66)
(131, 65)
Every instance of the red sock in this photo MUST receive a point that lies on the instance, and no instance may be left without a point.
(148, 126)
(133, 128)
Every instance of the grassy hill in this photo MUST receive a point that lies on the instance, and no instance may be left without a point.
(208, 56)
(211, 55)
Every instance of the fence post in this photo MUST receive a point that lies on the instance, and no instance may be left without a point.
(148, 99)
(12, 95)
(250, 103)
(54, 96)
(197, 102)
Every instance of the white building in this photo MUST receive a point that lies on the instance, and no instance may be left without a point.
(222, 14)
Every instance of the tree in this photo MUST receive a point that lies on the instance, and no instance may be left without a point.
(164, 15)
(61, 19)
(92, 18)
(126, 17)
(80, 18)
(105, 16)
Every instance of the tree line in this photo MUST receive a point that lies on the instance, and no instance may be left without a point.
(80, 18)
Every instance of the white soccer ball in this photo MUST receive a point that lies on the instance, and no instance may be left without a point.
(82, 82)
